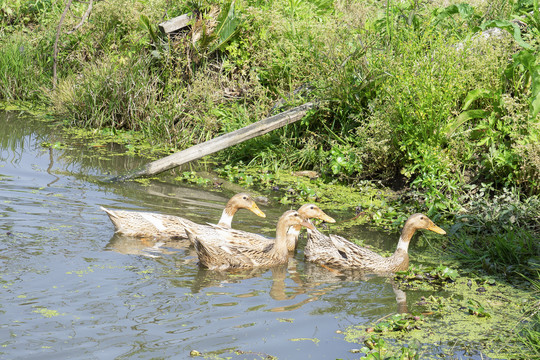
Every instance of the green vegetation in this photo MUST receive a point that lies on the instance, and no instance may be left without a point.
(477, 309)
(376, 349)
(433, 103)
(421, 107)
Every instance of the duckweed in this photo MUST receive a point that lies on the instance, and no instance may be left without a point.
(48, 313)
(486, 314)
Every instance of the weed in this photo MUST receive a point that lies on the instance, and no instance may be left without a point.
(376, 349)
(437, 276)
(475, 308)
(193, 178)
(530, 332)
(397, 322)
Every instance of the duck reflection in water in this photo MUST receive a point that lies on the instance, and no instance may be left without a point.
(306, 281)
(129, 245)
(320, 274)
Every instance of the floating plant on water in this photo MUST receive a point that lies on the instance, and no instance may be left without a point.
(434, 276)
(376, 349)
(397, 322)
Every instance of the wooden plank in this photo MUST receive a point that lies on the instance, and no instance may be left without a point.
(221, 142)
(175, 24)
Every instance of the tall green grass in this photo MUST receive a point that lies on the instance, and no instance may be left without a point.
(24, 72)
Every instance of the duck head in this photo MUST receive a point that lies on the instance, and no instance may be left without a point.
(243, 201)
(312, 211)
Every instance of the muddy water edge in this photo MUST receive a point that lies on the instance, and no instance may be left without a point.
(71, 288)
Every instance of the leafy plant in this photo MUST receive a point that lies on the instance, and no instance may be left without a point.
(530, 333)
(435, 304)
(475, 308)
(159, 41)
(20, 74)
(193, 178)
(376, 349)
(398, 322)
(227, 25)
(524, 74)
(438, 275)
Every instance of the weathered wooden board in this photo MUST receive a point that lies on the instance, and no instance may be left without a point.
(221, 142)
(175, 24)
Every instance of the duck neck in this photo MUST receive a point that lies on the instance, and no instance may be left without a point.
(280, 245)
(227, 216)
(294, 230)
(292, 236)
(405, 238)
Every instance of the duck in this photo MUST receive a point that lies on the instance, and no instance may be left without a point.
(307, 212)
(337, 252)
(146, 224)
(243, 238)
(215, 254)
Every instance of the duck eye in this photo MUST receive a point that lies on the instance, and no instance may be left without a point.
(312, 207)
(245, 197)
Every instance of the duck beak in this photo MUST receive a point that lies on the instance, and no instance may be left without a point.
(327, 218)
(436, 229)
(255, 209)
(308, 225)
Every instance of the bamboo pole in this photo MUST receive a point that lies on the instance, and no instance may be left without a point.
(221, 142)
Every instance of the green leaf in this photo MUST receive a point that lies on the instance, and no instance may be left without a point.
(464, 117)
(227, 26)
(475, 95)
(535, 91)
(145, 24)
(464, 10)
(527, 59)
(509, 26)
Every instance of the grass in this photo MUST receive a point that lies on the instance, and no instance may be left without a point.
(21, 71)
(530, 333)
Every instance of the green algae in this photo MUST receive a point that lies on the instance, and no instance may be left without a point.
(134, 143)
(48, 313)
(92, 268)
(450, 318)
(314, 340)
(289, 320)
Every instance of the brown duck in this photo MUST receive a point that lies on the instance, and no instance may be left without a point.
(145, 224)
(307, 212)
(336, 251)
(216, 254)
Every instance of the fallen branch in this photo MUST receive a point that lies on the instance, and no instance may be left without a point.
(222, 142)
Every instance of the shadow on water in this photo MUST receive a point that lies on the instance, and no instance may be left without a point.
(73, 289)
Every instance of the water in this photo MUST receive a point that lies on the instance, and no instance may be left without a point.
(71, 289)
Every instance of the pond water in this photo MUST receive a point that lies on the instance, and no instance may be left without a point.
(71, 289)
